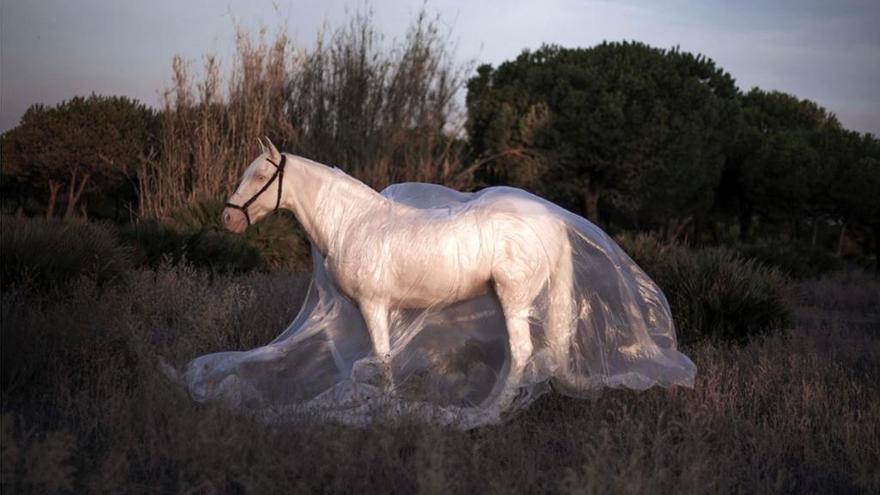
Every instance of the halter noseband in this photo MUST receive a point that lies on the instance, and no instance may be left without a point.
(279, 175)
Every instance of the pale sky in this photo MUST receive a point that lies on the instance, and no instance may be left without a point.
(827, 51)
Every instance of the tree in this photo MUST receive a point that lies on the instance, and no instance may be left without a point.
(621, 124)
(80, 145)
(855, 192)
(786, 154)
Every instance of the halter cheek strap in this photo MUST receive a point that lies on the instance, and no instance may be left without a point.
(278, 175)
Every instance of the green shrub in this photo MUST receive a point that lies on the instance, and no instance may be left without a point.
(713, 292)
(155, 243)
(43, 254)
(281, 243)
(152, 242)
(195, 235)
(278, 238)
(796, 259)
(198, 215)
(221, 252)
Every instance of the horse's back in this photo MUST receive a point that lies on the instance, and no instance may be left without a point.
(442, 244)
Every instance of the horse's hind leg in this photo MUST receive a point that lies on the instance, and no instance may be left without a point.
(516, 300)
(376, 318)
(560, 324)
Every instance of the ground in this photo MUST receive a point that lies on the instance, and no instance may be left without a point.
(87, 411)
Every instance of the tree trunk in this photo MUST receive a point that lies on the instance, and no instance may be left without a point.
(591, 203)
(54, 187)
(840, 238)
(74, 193)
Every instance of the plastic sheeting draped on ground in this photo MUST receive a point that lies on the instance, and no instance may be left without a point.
(449, 358)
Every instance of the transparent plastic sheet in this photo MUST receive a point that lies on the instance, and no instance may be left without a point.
(449, 358)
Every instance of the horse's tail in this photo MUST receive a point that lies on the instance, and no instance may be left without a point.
(561, 320)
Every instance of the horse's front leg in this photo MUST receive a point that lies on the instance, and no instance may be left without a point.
(376, 318)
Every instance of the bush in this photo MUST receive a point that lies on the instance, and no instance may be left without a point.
(278, 239)
(713, 292)
(155, 243)
(194, 235)
(281, 242)
(89, 330)
(796, 259)
(45, 254)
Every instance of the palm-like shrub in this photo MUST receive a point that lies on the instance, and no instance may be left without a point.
(713, 292)
(43, 254)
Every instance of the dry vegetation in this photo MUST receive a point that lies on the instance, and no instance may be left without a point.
(383, 109)
(85, 410)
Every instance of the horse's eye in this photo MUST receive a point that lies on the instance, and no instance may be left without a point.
(261, 178)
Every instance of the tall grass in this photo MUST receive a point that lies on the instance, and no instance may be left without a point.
(209, 135)
(87, 411)
(382, 110)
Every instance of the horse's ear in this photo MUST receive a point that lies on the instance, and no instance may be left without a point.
(273, 151)
(262, 146)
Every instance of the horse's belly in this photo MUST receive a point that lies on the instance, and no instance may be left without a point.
(405, 272)
(437, 273)
(430, 287)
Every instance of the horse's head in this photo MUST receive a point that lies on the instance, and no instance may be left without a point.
(259, 191)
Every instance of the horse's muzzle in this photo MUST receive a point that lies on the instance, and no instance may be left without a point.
(234, 220)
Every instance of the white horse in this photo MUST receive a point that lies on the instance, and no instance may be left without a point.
(385, 255)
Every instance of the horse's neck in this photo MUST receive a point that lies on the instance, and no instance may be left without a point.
(325, 200)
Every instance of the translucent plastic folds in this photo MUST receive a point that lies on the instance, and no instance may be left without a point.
(468, 266)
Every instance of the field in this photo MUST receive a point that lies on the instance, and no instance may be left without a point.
(754, 210)
(85, 409)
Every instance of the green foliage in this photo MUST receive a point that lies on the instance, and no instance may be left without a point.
(277, 238)
(194, 235)
(643, 138)
(798, 260)
(778, 175)
(155, 243)
(623, 123)
(281, 242)
(857, 191)
(78, 146)
(49, 254)
(713, 292)
(783, 160)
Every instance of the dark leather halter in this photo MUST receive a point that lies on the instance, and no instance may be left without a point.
(278, 175)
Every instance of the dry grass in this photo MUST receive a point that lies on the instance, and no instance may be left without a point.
(85, 410)
(383, 110)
